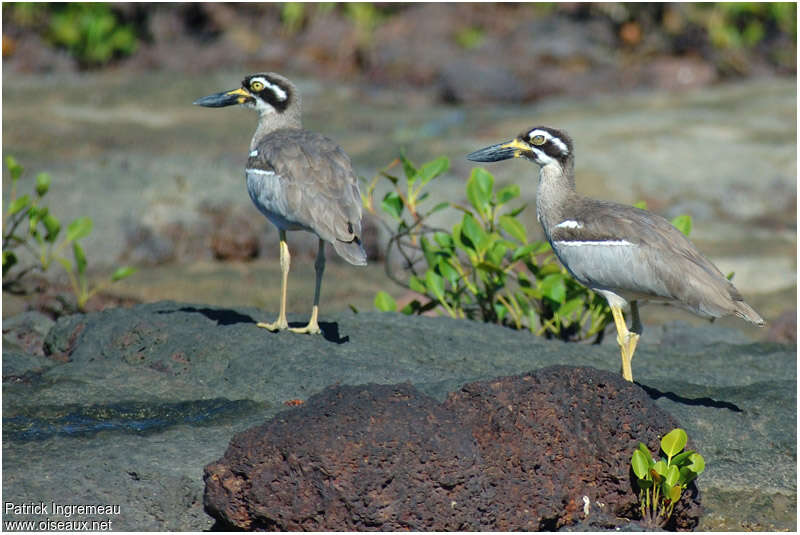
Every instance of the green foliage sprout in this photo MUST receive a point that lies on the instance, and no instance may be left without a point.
(662, 482)
(40, 239)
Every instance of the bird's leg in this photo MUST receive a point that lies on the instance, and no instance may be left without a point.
(319, 269)
(626, 339)
(281, 322)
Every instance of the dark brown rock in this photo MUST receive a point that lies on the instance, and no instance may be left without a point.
(352, 458)
(514, 453)
(549, 438)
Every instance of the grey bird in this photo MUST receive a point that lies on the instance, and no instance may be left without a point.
(625, 254)
(300, 180)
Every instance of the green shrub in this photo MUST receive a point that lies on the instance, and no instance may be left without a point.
(91, 32)
(662, 482)
(484, 267)
(39, 239)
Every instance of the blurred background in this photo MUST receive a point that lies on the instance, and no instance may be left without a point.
(689, 107)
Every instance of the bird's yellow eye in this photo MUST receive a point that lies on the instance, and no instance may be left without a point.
(538, 140)
(256, 86)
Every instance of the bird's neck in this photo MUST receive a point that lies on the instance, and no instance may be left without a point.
(556, 188)
(269, 122)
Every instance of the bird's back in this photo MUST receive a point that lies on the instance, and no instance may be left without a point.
(303, 180)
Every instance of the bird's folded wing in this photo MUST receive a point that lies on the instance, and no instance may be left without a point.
(317, 179)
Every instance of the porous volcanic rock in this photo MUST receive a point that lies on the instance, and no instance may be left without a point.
(353, 458)
(513, 453)
(550, 438)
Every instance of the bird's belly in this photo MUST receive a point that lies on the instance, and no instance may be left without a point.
(268, 194)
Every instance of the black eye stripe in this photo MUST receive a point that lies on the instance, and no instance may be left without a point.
(270, 92)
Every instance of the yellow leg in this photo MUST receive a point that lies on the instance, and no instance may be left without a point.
(319, 268)
(281, 322)
(626, 339)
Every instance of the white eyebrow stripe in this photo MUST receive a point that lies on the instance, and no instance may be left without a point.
(548, 136)
(254, 153)
(279, 92)
(569, 223)
(576, 243)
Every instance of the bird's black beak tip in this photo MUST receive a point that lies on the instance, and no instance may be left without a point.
(494, 153)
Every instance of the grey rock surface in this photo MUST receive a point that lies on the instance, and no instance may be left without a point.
(128, 405)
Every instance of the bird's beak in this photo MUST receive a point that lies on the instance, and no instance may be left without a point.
(226, 98)
(502, 151)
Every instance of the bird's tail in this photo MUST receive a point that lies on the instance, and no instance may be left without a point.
(352, 251)
(746, 312)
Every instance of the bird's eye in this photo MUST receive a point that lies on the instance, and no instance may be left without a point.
(256, 86)
(538, 140)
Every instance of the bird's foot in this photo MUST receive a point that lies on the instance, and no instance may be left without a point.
(311, 328)
(278, 325)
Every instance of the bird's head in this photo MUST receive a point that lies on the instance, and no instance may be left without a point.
(542, 145)
(267, 93)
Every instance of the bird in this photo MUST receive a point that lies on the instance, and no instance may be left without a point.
(298, 179)
(626, 254)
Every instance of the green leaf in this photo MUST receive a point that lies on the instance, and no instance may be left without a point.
(14, 169)
(429, 252)
(80, 228)
(9, 260)
(385, 302)
(448, 272)
(673, 442)
(496, 253)
(553, 287)
(435, 284)
(674, 494)
(125, 272)
(392, 204)
(570, 307)
(80, 258)
(659, 469)
(523, 251)
(471, 230)
(66, 264)
(438, 207)
(409, 168)
(640, 204)
(417, 285)
(514, 228)
(541, 247)
(19, 204)
(640, 464)
(683, 223)
(516, 211)
(679, 459)
(672, 476)
(507, 193)
(42, 184)
(53, 226)
(393, 179)
(479, 190)
(698, 463)
(444, 240)
(431, 170)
